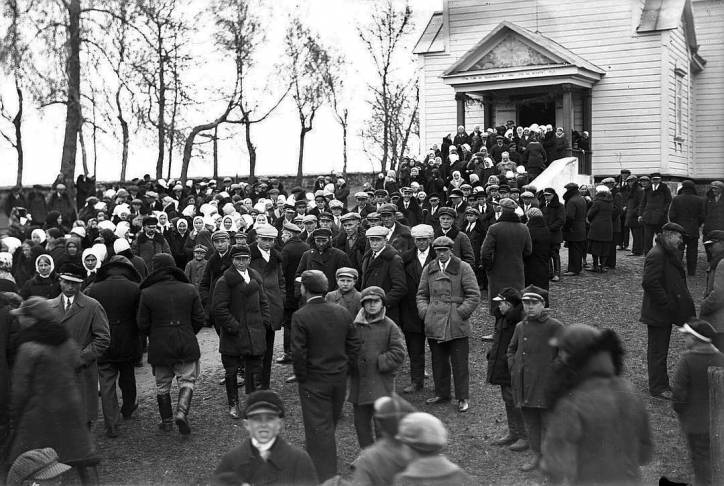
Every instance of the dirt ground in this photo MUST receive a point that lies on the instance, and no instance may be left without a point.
(144, 455)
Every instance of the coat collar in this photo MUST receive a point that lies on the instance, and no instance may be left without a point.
(431, 467)
(79, 303)
(453, 267)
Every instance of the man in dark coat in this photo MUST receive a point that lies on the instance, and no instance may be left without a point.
(574, 228)
(714, 212)
(409, 207)
(654, 208)
(322, 256)
(554, 215)
(170, 314)
(219, 262)
(292, 252)
(399, 235)
(382, 267)
(324, 344)
(687, 210)
(632, 205)
(267, 260)
(448, 226)
(666, 301)
(265, 457)
(116, 289)
(150, 242)
(60, 201)
(352, 239)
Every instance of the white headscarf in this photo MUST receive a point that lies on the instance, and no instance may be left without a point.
(50, 260)
(90, 251)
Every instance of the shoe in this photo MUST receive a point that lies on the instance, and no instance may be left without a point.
(555, 278)
(604, 269)
(182, 410)
(291, 379)
(234, 411)
(166, 412)
(240, 381)
(664, 395)
(129, 414)
(222, 381)
(488, 338)
(636, 254)
(530, 466)
(570, 274)
(436, 400)
(505, 440)
(587, 266)
(112, 432)
(463, 406)
(412, 388)
(519, 445)
(592, 269)
(286, 359)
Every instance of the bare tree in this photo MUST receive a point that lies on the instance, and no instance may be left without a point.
(383, 37)
(307, 63)
(334, 85)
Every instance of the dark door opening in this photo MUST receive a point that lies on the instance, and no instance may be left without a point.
(542, 113)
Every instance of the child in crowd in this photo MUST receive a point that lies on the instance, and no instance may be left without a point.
(195, 268)
(346, 294)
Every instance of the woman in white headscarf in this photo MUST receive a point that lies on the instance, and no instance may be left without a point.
(91, 264)
(38, 236)
(45, 283)
(7, 281)
(199, 235)
(229, 225)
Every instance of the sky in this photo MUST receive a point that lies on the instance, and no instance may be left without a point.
(277, 138)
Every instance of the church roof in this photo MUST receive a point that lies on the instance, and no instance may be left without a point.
(660, 15)
(431, 39)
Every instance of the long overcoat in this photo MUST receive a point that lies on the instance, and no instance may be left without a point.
(574, 228)
(712, 307)
(497, 356)
(600, 216)
(272, 275)
(410, 321)
(387, 272)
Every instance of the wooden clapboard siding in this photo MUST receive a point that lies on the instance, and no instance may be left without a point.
(708, 150)
(679, 150)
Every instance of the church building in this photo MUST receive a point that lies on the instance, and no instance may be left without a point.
(645, 78)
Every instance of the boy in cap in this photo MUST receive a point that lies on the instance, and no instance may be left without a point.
(690, 387)
(346, 294)
(382, 351)
(265, 457)
(37, 466)
(195, 268)
(423, 438)
(530, 359)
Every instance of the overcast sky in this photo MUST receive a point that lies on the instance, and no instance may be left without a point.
(276, 138)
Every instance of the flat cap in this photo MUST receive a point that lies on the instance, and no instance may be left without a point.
(361, 195)
(373, 216)
(200, 249)
(387, 209)
(422, 431)
(674, 227)
(319, 193)
(372, 292)
(322, 233)
(422, 231)
(456, 193)
(571, 185)
(71, 272)
(443, 242)
(655, 175)
(508, 294)
(336, 203)
(350, 217)
(631, 178)
(377, 232)
(309, 218)
(381, 193)
(219, 235)
(700, 329)
(446, 211)
(406, 190)
(315, 281)
(300, 202)
(36, 465)
(239, 250)
(507, 203)
(150, 220)
(326, 215)
(346, 272)
(531, 292)
(608, 180)
(292, 227)
(472, 210)
(264, 401)
(527, 194)
(267, 231)
(718, 184)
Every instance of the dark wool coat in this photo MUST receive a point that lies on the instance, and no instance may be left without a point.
(687, 210)
(379, 463)
(47, 402)
(292, 252)
(63, 205)
(37, 206)
(409, 319)
(413, 213)
(714, 215)
(655, 205)
(327, 262)
(241, 310)
(116, 289)
(87, 324)
(600, 215)
(324, 341)
(598, 433)
(504, 249)
(535, 156)
(382, 351)
(554, 215)
(387, 272)
(170, 314)
(498, 373)
(272, 275)
(530, 357)
(355, 253)
(8, 326)
(177, 243)
(476, 237)
(462, 248)
(145, 247)
(435, 470)
(446, 300)
(712, 307)
(536, 264)
(47, 288)
(286, 465)
(690, 387)
(633, 204)
(215, 268)
(666, 295)
(574, 228)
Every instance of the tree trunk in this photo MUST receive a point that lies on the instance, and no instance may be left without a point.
(250, 148)
(72, 115)
(189, 144)
(83, 153)
(18, 122)
(161, 103)
(174, 109)
(124, 132)
(344, 143)
(216, 151)
(300, 162)
(385, 123)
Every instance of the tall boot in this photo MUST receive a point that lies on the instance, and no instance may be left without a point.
(232, 395)
(557, 264)
(182, 409)
(166, 412)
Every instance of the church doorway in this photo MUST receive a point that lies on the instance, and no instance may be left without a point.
(540, 112)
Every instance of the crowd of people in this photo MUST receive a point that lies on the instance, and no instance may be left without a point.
(357, 288)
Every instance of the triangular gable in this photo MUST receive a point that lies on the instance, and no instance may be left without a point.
(511, 46)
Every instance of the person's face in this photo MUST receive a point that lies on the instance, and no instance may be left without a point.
(373, 306)
(36, 238)
(380, 199)
(228, 224)
(221, 245)
(69, 289)
(533, 308)
(198, 224)
(182, 226)
(361, 202)
(674, 238)
(443, 254)
(500, 143)
(388, 220)
(321, 242)
(377, 243)
(345, 284)
(504, 306)
(319, 202)
(241, 262)
(446, 221)
(286, 235)
(470, 217)
(44, 267)
(514, 196)
(374, 222)
(422, 244)
(310, 226)
(350, 227)
(162, 219)
(265, 243)
(240, 239)
(72, 250)
(689, 341)
(26, 250)
(199, 255)
(325, 223)
(434, 202)
(263, 427)
(90, 262)
(645, 183)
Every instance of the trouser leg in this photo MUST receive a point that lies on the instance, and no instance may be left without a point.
(624, 235)
(127, 384)
(363, 415)
(650, 230)
(610, 260)
(267, 359)
(637, 236)
(512, 413)
(440, 355)
(533, 419)
(107, 375)
(692, 249)
(231, 367)
(576, 253)
(416, 350)
(252, 373)
(656, 355)
(459, 353)
(556, 259)
(288, 331)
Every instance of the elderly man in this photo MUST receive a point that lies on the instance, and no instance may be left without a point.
(712, 308)
(654, 208)
(322, 256)
(462, 248)
(382, 267)
(666, 301)
(447, 296)
(415, 260)
(409, 207)
(87, 323)
(399, 235)
(149, 242)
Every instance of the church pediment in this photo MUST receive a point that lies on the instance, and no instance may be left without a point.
(512, 51)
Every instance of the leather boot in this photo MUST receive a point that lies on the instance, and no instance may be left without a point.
(557, 265)
(232, 395)
(182, 409)
(166, 412)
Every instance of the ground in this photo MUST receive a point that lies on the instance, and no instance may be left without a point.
(144, 455)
